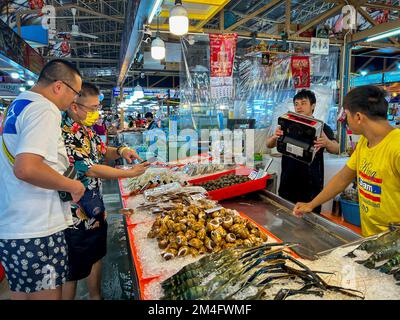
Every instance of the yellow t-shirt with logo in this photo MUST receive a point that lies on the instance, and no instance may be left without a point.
(378, 179)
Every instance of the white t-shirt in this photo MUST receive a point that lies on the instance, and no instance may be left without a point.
(27, 211)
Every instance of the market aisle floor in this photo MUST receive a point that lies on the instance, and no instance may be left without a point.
(118, 281)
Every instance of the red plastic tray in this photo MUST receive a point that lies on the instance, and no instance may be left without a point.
(235, 190)
(143, 282)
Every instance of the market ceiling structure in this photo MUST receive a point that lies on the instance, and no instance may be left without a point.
(119, 25)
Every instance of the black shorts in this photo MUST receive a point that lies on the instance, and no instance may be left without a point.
(85, 248)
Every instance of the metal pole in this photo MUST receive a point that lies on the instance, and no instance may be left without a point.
(345, 84)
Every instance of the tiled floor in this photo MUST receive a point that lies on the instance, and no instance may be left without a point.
(118, 282)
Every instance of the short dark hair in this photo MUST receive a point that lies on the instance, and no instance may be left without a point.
(58, 69)
(369, 100)
(148, 115)
(89, 90)
(305, 94)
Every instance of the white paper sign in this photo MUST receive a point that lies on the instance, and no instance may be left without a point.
(319, 46)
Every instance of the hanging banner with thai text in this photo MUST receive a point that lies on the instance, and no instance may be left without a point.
(301, 72)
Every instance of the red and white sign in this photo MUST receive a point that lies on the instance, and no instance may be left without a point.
(301, 72)
(222, 57)
(222, 54)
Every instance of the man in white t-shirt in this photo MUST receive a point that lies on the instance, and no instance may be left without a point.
(33, 159)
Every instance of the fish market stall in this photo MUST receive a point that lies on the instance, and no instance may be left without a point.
(257, 249)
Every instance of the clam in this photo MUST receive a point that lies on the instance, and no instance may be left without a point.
(169, 254)
(229, 245)
(238, 219)
(170, 225)
(190, 234)
(253, 238)
(201, 234)
(243, 233)
(162, 231)
(183, 221)
(230, 237)
(239, 242)
(228, 222)
(209, 244)
(255, 231)
(216, 237)
(163, 243)
(194, 252)
(197, 226)
(181, 240)
(220, 220)
(203, 250)
(173, 245)
(212, 225)
(179, 227)
(236, 228)
(222, 231)
(196, 243)
(183, 251)
(202, 216)
(172, 237)
(263, 236)
(216, 214)
(247, 243)
(153, 233)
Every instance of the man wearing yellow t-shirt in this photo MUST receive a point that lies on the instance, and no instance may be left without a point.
(375, 162)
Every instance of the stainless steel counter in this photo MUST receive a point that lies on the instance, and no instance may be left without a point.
(312, 232)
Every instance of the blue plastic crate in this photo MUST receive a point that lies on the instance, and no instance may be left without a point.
(351, 212)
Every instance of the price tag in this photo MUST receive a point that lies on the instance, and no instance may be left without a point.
(198, 196)
(260, 174)
(253, 175)
(213, 210)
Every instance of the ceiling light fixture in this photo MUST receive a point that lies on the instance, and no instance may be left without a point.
(384, 35)
(153, 11)
(178, 19)
(158, 46)
(14, 75)
(138, 92)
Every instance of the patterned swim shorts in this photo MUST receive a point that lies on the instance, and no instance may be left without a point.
(35, 264)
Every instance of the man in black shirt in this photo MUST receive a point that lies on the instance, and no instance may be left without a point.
(301, 182)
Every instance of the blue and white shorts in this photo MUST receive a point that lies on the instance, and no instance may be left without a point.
(35, 264)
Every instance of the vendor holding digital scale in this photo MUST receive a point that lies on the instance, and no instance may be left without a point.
(302, 140)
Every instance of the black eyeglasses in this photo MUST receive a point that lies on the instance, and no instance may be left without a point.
(79, 94)
(98, 107)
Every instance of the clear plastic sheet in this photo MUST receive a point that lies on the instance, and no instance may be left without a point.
(261, 92)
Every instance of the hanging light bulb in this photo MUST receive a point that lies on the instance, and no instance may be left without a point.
(158, 49)
(138, 92)
(158, 46)
(178, 19)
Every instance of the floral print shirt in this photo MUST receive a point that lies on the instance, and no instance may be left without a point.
(84, 149)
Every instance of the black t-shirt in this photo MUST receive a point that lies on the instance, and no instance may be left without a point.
(302, 182)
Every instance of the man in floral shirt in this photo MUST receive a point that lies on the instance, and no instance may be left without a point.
(87, 238)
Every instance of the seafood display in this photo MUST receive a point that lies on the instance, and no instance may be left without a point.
(224, 181)
(263, 272)
(153, 177)
(195, 169)
(384, 253)
(171, 197)
(202, 228)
